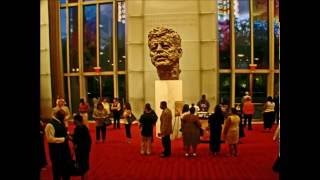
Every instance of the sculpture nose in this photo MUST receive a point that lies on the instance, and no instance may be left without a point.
(159, 47)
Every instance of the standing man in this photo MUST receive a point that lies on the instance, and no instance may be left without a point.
(59, 150)
(203, 104)
(248, 111)
(61, 106)
(165, 129)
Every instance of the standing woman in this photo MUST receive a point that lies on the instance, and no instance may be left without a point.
(215, 124)
(82, 145)
(191, 132)
(147, 121)
(116, 108)
(231, 132)
(268, 114)
(128, 118)
(185, 110)
(84, 109)
(99, 116)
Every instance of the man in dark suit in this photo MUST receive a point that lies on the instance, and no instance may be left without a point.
(57, 137)
(165, 129)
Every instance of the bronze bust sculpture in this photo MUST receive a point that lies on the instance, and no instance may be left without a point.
(165, 51)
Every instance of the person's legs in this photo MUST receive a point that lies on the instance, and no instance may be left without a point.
(55, 171)
(128, 132)
(114, 121)
(104, 132)
(265, 121)
(118, 121)
(250, 122)
(187, 149)
(166, 143)
(143, 145)
(235, 150)
(66, 177)
(98, 133)
(148, 145)
(230, 149)
(194, 150)
(245, 119)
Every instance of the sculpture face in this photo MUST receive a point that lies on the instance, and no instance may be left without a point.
(165, 51)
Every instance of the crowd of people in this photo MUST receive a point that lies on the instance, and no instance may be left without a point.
(224, 124)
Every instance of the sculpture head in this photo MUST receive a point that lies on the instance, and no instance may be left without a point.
(165, 52)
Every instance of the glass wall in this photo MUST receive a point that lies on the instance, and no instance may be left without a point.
(256, 52)
(261, 33)
(89, 38)
(224, 33)
(225, 88)
(92, 42)
(242, 33)
(106, 51)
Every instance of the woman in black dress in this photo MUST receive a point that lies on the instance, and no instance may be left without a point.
(147, 121)
(82, 145)
(215, 123)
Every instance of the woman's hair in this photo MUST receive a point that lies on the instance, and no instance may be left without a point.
(78, 118)
(185, 108)
(269, 98)
(127, 105)
(82, 100)
(100, 105)
(218, 110)
(192, 110)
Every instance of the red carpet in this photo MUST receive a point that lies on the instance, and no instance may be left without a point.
(117, 160)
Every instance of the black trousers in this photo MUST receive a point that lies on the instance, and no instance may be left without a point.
(166, 144)
(215, 140)
(116, 120)
(128, 130)
(103, 130)
(248, 117)
(268, 119)
(58, 171)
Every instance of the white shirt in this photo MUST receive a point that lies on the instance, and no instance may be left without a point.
(49, 130)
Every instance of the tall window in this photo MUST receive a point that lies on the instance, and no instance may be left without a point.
(276, 34)
(93, 51)
(261, 33)
(242, 33)
(224, 33)
(251, 63)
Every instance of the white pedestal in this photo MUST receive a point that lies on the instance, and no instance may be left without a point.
(170, 91)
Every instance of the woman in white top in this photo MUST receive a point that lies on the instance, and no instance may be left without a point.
(128, 119)
(268, 114)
